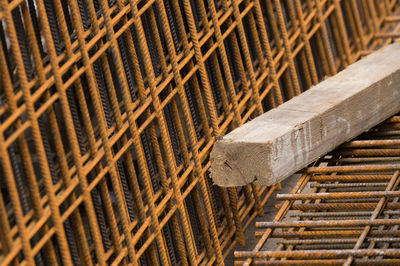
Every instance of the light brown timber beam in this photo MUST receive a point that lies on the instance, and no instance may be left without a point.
(282, 141)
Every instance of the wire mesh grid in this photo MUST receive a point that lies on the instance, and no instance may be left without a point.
(109, 109)
(344, 210)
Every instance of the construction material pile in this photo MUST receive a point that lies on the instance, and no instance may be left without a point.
(344, 210)
(109, 109)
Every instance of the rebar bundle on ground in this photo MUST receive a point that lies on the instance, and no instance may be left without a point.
(109, 109)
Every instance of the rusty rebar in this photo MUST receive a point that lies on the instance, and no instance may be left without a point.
(109, 110)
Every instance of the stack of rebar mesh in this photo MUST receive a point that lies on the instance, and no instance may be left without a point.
(109, 109)
(344, 210)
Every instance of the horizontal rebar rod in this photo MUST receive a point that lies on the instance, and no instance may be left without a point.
(339, 195)
(340, 223)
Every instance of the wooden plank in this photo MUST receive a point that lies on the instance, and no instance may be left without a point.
(282, 141)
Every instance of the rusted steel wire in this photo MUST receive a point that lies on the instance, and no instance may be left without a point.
(340, 212)
(109, 109)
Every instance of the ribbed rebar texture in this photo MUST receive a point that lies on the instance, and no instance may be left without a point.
(344, 210)
(109, 109)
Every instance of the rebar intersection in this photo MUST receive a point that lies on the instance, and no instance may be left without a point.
(342, 211)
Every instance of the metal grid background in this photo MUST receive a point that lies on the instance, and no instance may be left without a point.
(344, 210)
(109, 109)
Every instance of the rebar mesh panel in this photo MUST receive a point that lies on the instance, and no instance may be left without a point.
(109, 109)
(344, 210)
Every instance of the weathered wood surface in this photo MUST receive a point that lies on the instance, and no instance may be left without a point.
(284, 140)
